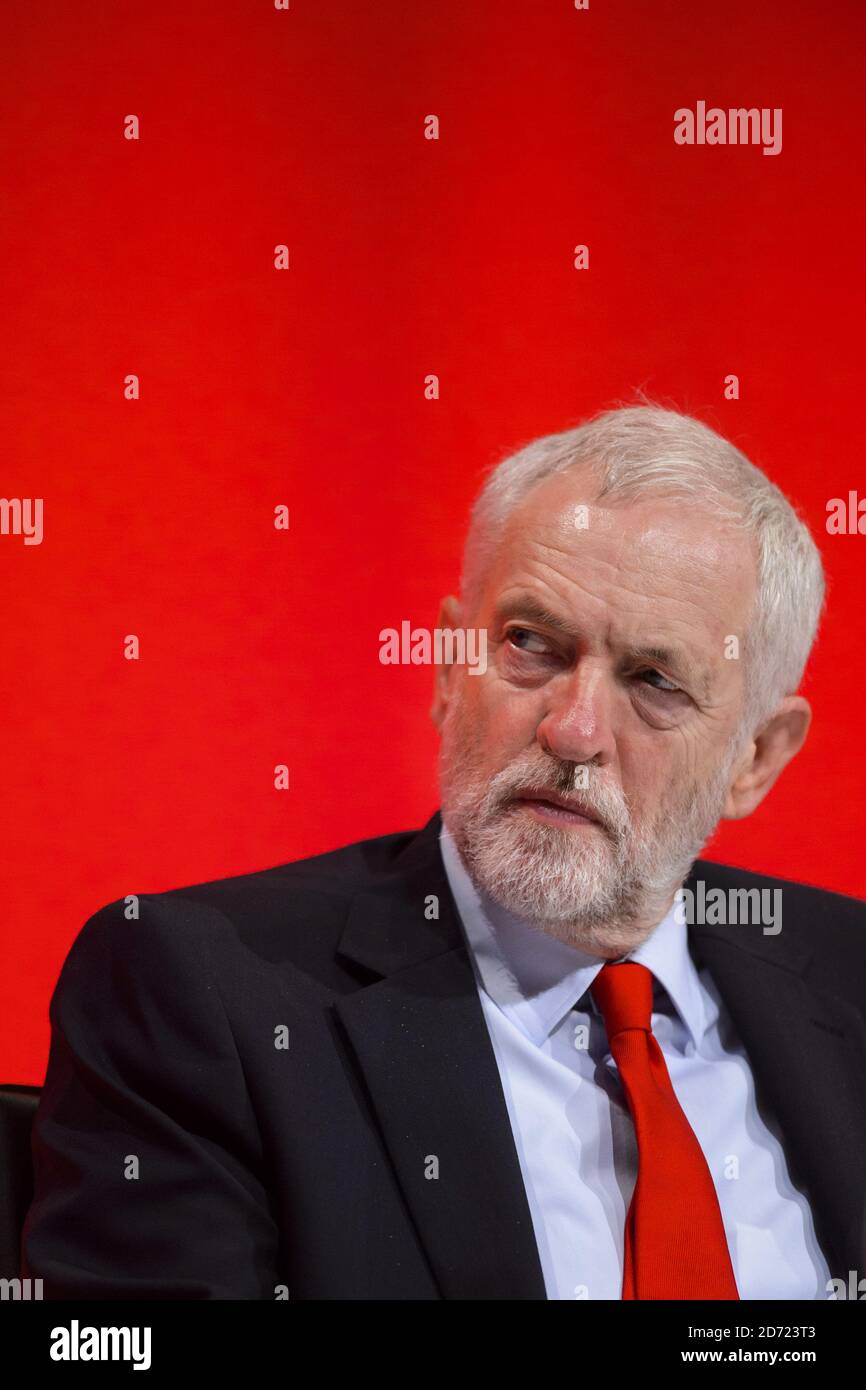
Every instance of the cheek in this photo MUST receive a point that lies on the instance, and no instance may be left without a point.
(506, 719)
(489, 725)
(649, 774)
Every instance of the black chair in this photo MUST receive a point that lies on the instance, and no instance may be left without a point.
(17, 1108)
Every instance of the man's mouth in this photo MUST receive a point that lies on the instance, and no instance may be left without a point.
(553, 809)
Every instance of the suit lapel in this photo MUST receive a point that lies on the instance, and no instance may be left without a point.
(420, 1038)
(807, 1051)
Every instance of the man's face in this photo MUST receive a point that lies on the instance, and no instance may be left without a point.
(607, 691)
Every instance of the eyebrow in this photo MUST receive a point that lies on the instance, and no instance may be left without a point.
(675, 658)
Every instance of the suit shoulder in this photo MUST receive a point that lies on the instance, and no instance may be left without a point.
(825, 900)
(832, 922)
(129, 950)
(328, 881)
(291, 913)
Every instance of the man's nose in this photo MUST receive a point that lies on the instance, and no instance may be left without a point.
(577, 726)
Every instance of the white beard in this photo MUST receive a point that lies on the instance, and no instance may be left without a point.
(601, 888)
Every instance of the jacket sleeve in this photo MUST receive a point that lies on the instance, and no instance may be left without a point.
(148, 1167)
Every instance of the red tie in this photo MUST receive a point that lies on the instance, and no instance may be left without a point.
(675, 1244)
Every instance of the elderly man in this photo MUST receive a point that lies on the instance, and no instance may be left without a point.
(506, 1057)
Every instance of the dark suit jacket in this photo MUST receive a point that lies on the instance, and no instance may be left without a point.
(305, 1166)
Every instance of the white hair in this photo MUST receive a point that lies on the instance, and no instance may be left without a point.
(650, 451)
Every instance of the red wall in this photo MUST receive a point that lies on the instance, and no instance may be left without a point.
(305, 387)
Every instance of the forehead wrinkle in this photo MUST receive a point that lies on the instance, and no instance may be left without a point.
(626, 567)
(691, 574)
(628, 588)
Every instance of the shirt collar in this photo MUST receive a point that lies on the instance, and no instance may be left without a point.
(535, 979)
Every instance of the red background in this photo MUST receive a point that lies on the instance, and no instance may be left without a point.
(305, 387)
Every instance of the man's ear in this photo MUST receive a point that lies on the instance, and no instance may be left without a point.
(450, 616)
(768, 752)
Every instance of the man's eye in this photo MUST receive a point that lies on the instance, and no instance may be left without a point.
(522, 638)
(665, 684)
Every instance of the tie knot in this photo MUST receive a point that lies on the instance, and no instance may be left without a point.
(624, 993)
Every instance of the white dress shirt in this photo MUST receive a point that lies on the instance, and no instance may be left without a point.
(572, 1128)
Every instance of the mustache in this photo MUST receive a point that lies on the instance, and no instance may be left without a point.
(578, 780)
